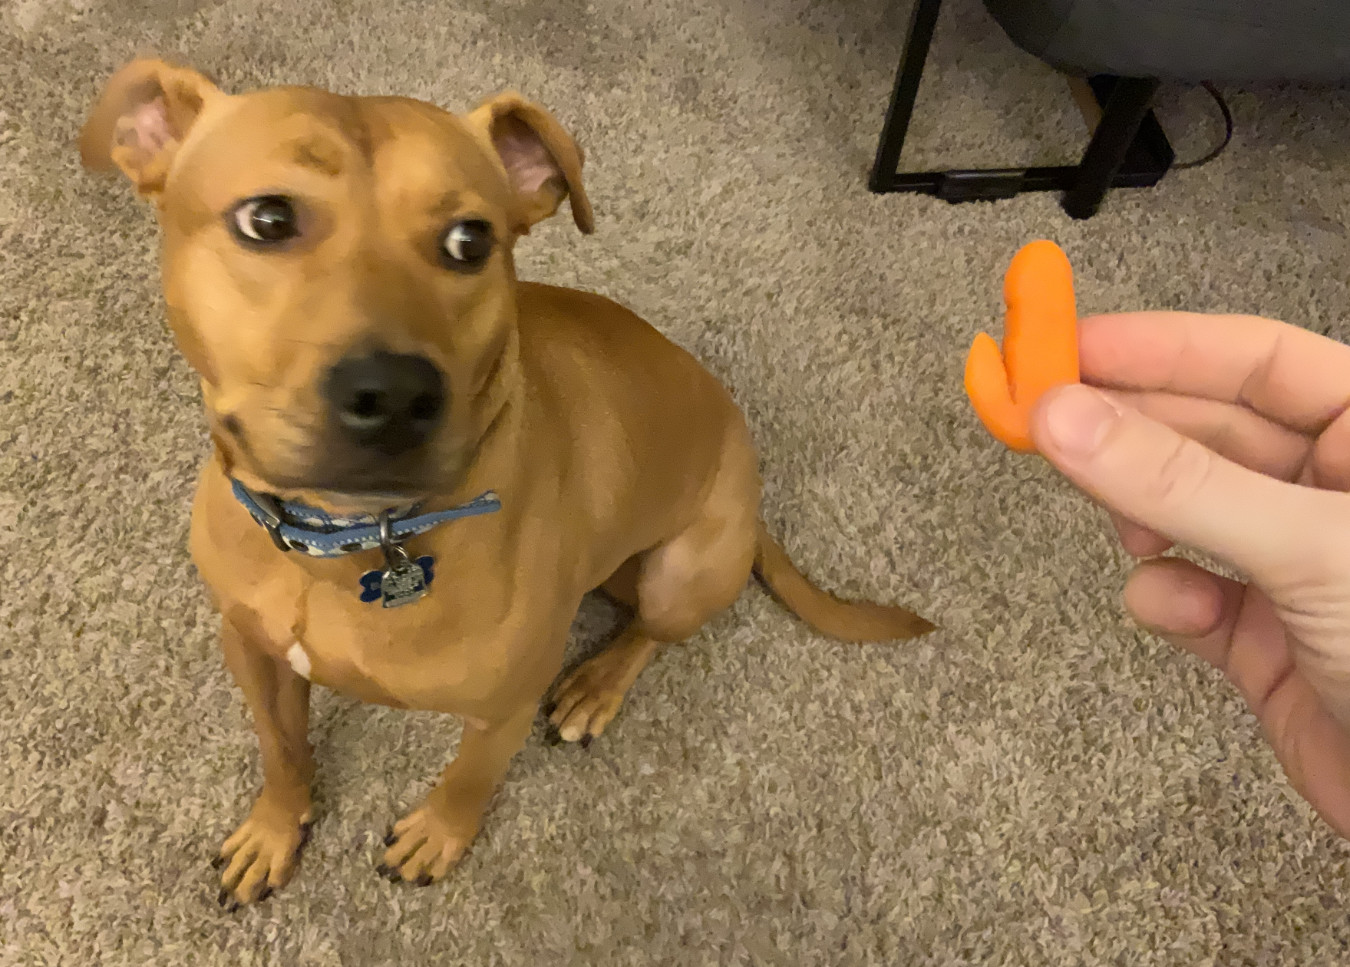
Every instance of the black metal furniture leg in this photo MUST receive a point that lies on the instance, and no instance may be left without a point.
(1128, 149)
(1126, 107)
(922, 21)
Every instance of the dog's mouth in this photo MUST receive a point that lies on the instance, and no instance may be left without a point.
(355, 495)
(307, 462)
(328, 475)
(338, 488)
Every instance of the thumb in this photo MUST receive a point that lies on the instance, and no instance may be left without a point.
(1146, 471)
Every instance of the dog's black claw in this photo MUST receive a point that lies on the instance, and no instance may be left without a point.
(549, 708)
(423, 880)
(586, 740)
(233, 907)
(217, 862)
(388, 873)
(264, 895)
(552, 737)
(223, 897)
(389, 838)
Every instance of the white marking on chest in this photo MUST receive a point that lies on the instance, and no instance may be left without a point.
(298, 659)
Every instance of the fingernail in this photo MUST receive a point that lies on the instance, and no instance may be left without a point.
(1078, 418)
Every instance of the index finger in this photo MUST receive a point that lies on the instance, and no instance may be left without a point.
(1289, 375)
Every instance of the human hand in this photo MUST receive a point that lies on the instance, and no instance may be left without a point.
(1229, 435)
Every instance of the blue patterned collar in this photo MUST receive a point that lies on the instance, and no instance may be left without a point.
(317, 533)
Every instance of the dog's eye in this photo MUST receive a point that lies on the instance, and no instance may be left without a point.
(467, 244)
(265, 220)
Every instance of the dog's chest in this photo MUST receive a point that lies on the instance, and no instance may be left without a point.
(443, 652)
(477, 636)
(450, 651)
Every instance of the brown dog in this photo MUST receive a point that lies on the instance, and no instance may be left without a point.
(422, 465)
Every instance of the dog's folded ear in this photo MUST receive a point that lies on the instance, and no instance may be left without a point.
(141, 118)
(541, 159)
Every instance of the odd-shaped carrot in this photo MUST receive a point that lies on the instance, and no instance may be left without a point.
(1040, 345)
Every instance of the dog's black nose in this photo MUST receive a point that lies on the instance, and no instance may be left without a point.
(386, 402)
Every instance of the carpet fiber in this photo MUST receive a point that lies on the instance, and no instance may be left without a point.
(1036, 783)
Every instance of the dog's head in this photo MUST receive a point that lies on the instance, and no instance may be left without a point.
(338, 269)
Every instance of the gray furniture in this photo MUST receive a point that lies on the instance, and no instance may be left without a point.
(1125, 48)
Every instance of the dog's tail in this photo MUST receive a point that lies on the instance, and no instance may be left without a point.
(845, 620)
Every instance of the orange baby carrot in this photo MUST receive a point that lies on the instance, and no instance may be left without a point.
(1040, 345)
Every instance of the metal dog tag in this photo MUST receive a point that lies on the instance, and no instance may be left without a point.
(403, 580)
(402, 584)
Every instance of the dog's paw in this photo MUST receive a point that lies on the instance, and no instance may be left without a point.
(588, 699)
(424, 846)
(261, 856)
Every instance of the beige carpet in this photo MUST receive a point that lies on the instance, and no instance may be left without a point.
(1038, 783)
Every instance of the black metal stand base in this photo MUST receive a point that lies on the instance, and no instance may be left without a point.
(1127, 150)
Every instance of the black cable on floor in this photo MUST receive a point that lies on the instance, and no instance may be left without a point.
(1228, 130)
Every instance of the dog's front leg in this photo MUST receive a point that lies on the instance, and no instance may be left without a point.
(424, 845)
(261, 855)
